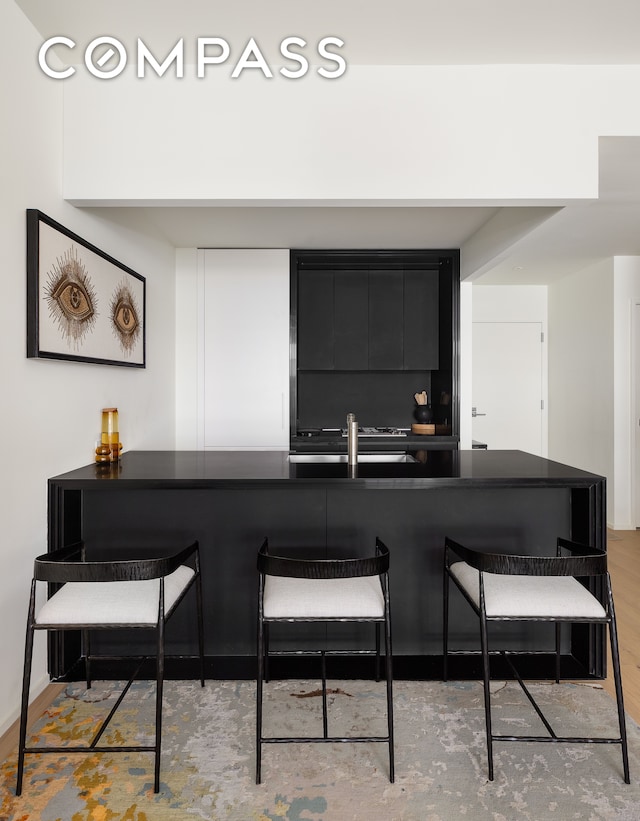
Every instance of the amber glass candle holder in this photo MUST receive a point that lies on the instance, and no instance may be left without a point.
(109, 448)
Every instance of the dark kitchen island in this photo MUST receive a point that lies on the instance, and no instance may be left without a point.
(229, 501)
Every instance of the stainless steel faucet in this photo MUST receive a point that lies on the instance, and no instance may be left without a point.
(352, 439)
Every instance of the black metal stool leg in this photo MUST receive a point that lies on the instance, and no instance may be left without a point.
(200, 624)
(325, 720)
(389, 672)
(487, 693)
(159, 695)
(26, 679)
(615, 659)
(86, 641)
(445, 628)
(259, 688)
(266, 651)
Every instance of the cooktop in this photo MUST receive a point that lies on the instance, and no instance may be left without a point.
(362, 431)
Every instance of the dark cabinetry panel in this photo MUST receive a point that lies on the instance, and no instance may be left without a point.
(230, 526)
(350, 319)
(413, 524)
(386, 320)
(376, 319)
(421, 320)
(316, 330)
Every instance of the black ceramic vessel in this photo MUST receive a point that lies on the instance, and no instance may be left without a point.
(423, 414)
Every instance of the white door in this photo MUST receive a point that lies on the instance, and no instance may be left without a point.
(246, 349)
(507, 385)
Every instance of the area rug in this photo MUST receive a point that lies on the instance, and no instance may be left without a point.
(208, 764)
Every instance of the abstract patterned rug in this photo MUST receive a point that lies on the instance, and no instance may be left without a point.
(208, 769)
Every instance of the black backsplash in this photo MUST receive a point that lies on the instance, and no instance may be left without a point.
(378, 398)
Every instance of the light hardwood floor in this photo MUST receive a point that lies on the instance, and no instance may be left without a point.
(623, 547)
(624, 566)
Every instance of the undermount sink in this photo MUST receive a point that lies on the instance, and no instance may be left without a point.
(320, 458)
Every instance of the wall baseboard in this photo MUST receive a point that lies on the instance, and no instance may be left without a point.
(9, 739)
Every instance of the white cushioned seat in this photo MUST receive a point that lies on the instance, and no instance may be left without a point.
(529, 596)
(359, 597)
(113, 603)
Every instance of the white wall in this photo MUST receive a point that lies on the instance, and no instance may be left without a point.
(510, 303)
(581, 372)
(448, 133)
(626, 372)
(50, 411)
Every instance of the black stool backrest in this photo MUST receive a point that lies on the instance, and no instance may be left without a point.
(323, 568)
(587, 563)
(59, 566)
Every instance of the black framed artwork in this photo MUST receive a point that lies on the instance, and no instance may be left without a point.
(82, 304)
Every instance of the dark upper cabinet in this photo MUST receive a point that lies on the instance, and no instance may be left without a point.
(386, 320)
(316, 321)
(421, 320)
(368, 319)
(351, 319)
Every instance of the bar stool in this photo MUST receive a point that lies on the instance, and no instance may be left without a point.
(502, 588)
(109, 595)
(323, 590)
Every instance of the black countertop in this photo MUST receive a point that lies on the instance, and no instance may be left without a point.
(482, 468)
(410, 442)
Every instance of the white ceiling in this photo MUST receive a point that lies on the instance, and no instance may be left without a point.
(410, 32)
(391, 32)
(582, 233)
(308, 227)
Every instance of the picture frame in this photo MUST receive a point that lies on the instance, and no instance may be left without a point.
(82, 304)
